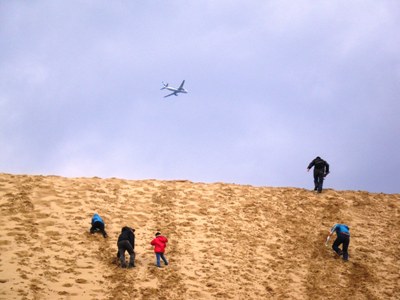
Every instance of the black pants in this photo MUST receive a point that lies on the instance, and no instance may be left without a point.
(318, 179)
(98, 226)
(342, 239)
(126, 246)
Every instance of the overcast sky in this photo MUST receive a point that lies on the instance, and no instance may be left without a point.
(272, 85)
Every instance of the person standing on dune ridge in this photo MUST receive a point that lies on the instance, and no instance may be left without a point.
(321, 170)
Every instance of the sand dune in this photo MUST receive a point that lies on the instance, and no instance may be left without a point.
(226, 241)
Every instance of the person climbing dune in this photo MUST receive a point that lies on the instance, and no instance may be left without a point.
(342, 237)
(126, 242)
(160, 243)
(98, 225)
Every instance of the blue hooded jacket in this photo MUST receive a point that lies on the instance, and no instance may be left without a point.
(341, 228)
(97, 218)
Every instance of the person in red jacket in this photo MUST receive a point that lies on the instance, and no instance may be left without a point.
(159, 243)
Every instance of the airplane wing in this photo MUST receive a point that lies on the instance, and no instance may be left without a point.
(181, 86)
(174, 93)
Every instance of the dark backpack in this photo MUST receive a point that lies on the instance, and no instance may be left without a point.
(319, 164)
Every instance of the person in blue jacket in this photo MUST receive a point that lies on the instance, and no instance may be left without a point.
(342, 237)
(98, 225)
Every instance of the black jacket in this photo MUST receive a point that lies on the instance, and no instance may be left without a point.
(128, 235)
(319, 165)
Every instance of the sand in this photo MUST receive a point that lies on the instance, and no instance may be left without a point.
(226, 241)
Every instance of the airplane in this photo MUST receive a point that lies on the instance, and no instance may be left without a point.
(174, 90)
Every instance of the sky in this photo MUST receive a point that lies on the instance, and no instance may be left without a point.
(272, 85)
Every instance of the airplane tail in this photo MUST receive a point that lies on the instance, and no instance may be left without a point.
(165, 85)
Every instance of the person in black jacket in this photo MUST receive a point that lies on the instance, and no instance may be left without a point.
(126, 242)
(321, 169)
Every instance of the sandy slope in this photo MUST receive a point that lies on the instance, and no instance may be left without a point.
(226, 241)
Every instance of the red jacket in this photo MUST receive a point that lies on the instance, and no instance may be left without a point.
(159, 243)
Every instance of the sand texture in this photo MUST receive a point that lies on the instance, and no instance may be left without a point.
(226, 241)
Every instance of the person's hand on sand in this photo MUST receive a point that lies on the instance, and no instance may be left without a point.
(327, 240)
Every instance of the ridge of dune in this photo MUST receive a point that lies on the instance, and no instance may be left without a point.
(226, 241)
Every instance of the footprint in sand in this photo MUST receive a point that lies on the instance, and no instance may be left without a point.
(5, 242)
(67, 285)
(81, 280)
